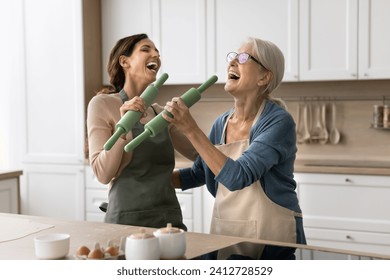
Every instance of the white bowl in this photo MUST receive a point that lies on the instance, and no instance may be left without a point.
(142, 248)
(52, 246)
(172, 245)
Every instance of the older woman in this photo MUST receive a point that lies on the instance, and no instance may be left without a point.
(248, 159)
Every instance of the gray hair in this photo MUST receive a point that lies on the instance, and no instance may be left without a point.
(273, 59)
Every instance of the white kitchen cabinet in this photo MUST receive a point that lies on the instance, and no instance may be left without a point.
(321, 40)
(344, 40)
(51, 107)
(328, 39)
(178, 28)
(231, 22)
(374, 39)
(194, 36)
(8, 196)
(10, 191)
(54, 191)
(95, 194)
(346, 211)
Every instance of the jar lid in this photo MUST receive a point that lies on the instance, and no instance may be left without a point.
(141, 235)
(169, 229)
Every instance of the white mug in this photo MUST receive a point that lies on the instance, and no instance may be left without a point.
(142, 246)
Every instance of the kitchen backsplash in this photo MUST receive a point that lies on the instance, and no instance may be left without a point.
(354, 102)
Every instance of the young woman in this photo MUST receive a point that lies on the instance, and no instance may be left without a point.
(140, 181)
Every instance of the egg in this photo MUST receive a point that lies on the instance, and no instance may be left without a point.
(113, 251)
(96, 254)
(82, 251)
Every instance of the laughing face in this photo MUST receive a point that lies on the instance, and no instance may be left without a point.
(243, 77)
(144, 62)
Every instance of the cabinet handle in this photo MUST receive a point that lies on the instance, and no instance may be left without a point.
(348, 237)
(348, 180)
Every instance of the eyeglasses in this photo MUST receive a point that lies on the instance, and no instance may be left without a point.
(242, 58)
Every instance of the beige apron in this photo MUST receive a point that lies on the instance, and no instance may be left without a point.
(249, 212)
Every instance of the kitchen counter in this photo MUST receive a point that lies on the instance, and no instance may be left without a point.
(86, 233)
(368, 167)
(338, 166)
(10, 174)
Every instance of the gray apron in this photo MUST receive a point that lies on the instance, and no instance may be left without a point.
(142, 195)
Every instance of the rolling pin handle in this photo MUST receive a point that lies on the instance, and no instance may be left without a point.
(138, 140)
(212, 80)
(113, 138)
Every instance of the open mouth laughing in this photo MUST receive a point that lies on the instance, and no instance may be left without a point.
(152, 66)
(233, 75)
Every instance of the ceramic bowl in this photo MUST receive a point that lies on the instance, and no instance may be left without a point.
(142, 246)
(172, 243)
(52, 246)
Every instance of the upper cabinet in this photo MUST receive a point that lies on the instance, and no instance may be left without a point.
(231, 22)
(194, 36)
(374, 39)
(178, 28)
(344, 40)
(321, 40)
(328, 39)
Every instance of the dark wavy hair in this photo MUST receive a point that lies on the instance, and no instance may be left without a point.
(124, 46)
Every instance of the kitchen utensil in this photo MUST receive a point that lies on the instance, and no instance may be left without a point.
(305, 136)
(142, 246)
(324, 135)
(298, 123)
(334, 136)
(52, 246)
(298, 127)
(157, 124)
(172, 242)
(316, 130)
(129, 119)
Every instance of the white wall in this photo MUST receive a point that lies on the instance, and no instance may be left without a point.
(11, 81)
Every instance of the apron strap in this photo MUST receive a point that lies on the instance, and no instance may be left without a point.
(123, 95)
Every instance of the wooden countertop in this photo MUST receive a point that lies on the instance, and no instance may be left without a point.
(380, 168)
(367, 167)
(86, 233)
(7, 174)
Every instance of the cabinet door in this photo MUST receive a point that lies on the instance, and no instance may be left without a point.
(121, 18)
(349, 202)
(358, 241)
(182, 28)
(53, 94)
(176, 27)
(230, 22)
(374, 39)
(345, 211)
(53, 191)
(328, 39)
(9, 195)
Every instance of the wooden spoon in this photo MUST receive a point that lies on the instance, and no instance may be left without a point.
(316, 130)
(305, 136)
(324, 135)
(334, 136)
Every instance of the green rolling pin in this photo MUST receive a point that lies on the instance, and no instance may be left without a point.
(126, 123)
(158, 123)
